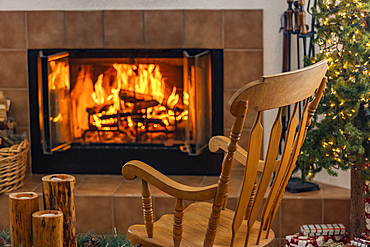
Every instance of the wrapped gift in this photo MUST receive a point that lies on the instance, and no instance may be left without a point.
(363, 241)
(299, 240)
(323, 229)
(358, 243)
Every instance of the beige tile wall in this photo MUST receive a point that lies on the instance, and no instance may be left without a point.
(238, 32)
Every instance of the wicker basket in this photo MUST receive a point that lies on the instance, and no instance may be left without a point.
(13, 162)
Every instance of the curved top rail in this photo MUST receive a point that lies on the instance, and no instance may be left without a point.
(280, 89)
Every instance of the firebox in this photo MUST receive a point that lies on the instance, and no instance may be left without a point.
(93, 110)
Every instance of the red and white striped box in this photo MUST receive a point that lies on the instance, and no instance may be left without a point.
(323, 229)
(298, 240)
(360, 241)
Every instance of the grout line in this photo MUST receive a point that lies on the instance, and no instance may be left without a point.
(119, 185)
(143, 23)
(83, 180)
(64, 29)
(183, 28)
(15, 49)
(244, 49)
(223, 29)
(103, 27)
(26, 27)
(322, 210)
(35, 188)
(13, 88)
(203, 180)
(112, 207)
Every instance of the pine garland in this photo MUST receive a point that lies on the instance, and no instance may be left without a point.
(84, 240)
(341, 138)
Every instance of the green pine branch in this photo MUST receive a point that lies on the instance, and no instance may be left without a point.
(340, 131)
(89, 239)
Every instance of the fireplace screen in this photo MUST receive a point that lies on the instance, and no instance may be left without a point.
(130, 99)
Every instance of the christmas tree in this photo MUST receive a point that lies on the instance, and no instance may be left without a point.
(339, 136)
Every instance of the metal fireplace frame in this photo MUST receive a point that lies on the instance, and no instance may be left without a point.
(109, 158)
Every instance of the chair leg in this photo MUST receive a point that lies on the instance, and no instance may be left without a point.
(147, 208)
(177, 222)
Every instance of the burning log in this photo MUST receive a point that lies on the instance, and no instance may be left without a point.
(98, 108)
(132, 96)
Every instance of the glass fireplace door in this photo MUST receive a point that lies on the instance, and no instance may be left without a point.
(198, 90)
(55, 101)
(128, 99)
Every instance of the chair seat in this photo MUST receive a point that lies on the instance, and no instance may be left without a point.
(197, 214)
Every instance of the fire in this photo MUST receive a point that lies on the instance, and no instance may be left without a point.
(173, 99)
(144, 79)
(59, 75)
(127, 98)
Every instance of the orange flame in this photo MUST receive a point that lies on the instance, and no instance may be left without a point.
(59, 75)
(173, 99)
(145, 79)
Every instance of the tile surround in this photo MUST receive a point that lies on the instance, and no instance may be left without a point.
(13, 30)
(242, 67)
(123, 29)
(240, 24)
(163, 29)
(126, 29)
(19, 106)
(84, 29)
(203, 28)
(45, 29)
(13, 70)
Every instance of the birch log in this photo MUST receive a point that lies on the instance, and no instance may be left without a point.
(58, 191)
(21, 207)
(47, 228)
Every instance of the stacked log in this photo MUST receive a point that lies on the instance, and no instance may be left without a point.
(47, 228)
(21, 207)
(58, 191)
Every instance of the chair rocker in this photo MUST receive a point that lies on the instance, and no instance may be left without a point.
(207, 224)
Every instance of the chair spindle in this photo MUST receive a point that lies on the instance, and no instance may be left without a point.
(177, 222)
(223, 182)
(147, 208)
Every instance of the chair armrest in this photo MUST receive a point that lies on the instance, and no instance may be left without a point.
(136, 168)
(220, 142)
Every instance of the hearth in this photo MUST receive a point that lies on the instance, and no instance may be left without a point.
(93, 110)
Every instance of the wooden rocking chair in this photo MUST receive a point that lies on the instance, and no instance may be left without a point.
(206, 224)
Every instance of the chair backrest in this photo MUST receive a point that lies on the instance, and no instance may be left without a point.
(269, 92)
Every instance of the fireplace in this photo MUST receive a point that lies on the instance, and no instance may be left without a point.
(92, 110)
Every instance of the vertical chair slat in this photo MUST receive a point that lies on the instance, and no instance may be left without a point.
(177, 222)
(272, 152)
(255, 142)
(147, 208)
(293, 157)
(251, 201)
(305, 122)
(280, 173)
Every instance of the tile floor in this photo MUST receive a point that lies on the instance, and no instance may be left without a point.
(107, 201)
